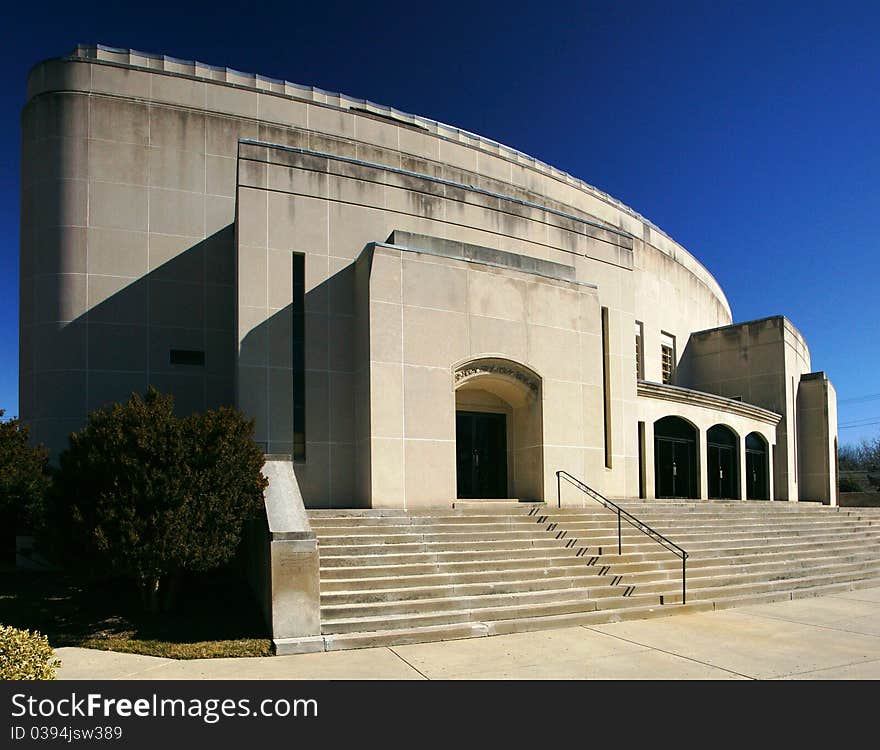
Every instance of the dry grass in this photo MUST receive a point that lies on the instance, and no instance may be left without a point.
(215, 616)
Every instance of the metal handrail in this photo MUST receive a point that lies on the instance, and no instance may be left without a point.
(623, 514)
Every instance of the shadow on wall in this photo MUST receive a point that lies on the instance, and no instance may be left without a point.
(173, 328)
(297, 380)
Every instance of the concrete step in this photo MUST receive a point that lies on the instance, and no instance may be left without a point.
(643, 551)
(438, 510)
(584, 579)
(696, 542)
(380, 525)
(734, 578)
(476, 629)
(740, 570)
(482, 628)
(660, 579)
(545, 560)
(431, 536)
(401, 565)
(517, 610)
(715, 518)
(655, 517)
(362, 550)
(684, 539)
(442, 576)
(746, 546)
(397, 577)
(606, 526)
(396, 590)
(338, 535)
(568, 602)
(791, 583)
(394, 621)
(337, 611)
(594, 510)
(753, 549)
(450, 552)
(709, 525)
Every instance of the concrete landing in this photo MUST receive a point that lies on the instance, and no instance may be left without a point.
(831, 637)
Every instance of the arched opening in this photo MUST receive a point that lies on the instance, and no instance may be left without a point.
(757, 474)
(498, 430)
(675, 458)
(722, 462)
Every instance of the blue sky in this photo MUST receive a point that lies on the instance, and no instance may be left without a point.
(748, 131)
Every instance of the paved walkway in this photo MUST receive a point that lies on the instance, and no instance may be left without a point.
(832, 637)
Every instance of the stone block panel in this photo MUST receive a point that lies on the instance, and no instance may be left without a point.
(430, 472)
(429, 403)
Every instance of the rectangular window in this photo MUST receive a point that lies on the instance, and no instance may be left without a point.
(640, 365)
(299, 357)
(641, 460)
(794, 432)
(667, 356)
(189, 357)
(666, 363)
(606, 384)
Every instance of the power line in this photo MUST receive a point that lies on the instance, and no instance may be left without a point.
(851, 426)
(863, 420)
(859, 399)
(866, 418)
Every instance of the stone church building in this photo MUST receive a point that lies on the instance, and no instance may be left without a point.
(411, 313)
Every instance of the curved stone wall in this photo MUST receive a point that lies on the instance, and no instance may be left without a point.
(133, 169)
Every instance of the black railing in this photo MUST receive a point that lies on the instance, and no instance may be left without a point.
(625, 515)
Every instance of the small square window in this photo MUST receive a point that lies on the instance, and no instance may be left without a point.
(190, 357)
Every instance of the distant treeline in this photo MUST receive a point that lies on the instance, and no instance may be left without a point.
(864, 456)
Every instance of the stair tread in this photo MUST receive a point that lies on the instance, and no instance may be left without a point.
(401, 576)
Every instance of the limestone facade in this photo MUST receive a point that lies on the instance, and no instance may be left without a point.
(364, 282)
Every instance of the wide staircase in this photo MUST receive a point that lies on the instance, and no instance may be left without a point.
(392, 576)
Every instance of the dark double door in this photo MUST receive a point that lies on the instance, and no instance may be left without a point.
(481, 454)
(721, 472)
(756, 476)
(675, 468)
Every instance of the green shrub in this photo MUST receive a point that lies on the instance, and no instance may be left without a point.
(24, 474)
(152, 494)
(25, 655)
(849, 485)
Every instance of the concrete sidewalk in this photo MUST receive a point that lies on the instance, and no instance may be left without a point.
(831, 637)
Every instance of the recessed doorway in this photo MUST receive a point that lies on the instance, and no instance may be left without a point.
(675, 458)
(757, 477)
(481, 454)
(722, 449)
(498, 407)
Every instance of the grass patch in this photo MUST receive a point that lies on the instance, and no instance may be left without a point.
(215, 615)
(197, 650)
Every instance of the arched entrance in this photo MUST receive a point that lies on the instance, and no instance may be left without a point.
(675, 458)
(498, 430)
(757, 475)
(722, 462)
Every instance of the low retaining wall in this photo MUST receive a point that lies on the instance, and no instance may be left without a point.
(860, 499)
(283, 560)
